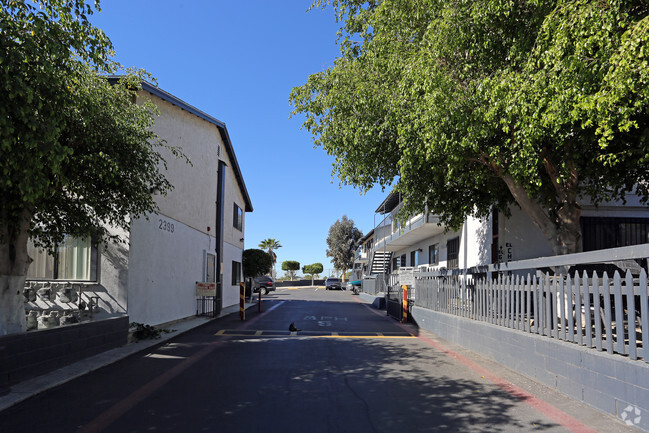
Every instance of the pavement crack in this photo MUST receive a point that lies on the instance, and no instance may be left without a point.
(360, 397)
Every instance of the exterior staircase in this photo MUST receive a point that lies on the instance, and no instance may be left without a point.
(381, 262)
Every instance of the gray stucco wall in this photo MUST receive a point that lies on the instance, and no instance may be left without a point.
(612, 383)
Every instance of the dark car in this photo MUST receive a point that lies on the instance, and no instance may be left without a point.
(333, 283)
(263, 284)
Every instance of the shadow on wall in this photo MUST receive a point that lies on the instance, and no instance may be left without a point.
(484, 240)
(116, 254)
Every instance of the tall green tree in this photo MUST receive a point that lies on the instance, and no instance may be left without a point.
(480, 104)
(270, 245)
(341, 244)
(290, 266)
(256, 262)
(77, 156)
(313, 269)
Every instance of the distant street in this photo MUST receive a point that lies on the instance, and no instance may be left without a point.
(348, 369)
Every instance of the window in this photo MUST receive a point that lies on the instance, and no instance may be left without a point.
(237, 218)
(414, 258)
(402, 261)
(600, 233)
(236, 273)
(453, 253)
(74, 259)
(433, 254)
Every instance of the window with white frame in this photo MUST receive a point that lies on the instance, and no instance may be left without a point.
(236, 273)
(73, 259)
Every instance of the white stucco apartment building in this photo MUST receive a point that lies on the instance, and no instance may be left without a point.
(423, 242)
(197, 236)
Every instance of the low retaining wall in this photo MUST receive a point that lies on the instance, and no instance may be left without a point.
(376, 301)
(299, 283)
(30, 354)
(611, 383)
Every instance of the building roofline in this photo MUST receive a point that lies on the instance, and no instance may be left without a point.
(366, 237)
(225, 136)
(390, 202)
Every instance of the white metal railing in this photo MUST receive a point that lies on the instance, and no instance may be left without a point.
(387, 232)
(600, 310)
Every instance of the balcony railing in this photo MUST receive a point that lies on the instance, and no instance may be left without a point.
(388, 231)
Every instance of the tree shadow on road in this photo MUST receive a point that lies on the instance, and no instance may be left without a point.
(335, 385)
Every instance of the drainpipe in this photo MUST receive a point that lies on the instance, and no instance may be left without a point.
(220, 222)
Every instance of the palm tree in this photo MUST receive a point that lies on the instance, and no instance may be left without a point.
(270, 245)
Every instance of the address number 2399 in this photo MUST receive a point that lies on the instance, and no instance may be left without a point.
(166, 226)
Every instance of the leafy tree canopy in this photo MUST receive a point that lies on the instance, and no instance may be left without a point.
(256, 262)
(77, 155)
(290, 266)
(313, 269)
(473, 104)
(342, 242)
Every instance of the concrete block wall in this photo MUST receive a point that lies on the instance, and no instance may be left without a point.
(27, 355)
(612, 383)
(299, 283)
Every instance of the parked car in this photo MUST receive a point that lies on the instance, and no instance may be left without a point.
(333, 283)
(264, 284)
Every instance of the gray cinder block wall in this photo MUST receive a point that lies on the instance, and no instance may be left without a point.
(29, 354)
(612, 383)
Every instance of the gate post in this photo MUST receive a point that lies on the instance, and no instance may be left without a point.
(404, 305)
(242, 301)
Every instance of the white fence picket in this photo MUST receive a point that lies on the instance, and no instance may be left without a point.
(579, 309)
(571, 316)
(528, 304)
(597, 321)
(547, 293)
(562, 309)
(644, 315)
(619, 313)
(608, 317)
(630, 308)
(604, 310)
(589, 324)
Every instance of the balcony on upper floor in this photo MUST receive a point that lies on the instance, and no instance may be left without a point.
(391, 236)
(361, 255)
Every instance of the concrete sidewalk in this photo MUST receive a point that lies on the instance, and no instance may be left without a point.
(29, 388)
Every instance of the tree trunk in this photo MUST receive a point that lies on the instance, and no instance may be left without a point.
(14, 262)
(563, 231)
(12, 304)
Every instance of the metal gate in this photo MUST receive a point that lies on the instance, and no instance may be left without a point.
(395, 302)
(209, 306)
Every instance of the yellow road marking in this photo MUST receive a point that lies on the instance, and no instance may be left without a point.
(275, 333)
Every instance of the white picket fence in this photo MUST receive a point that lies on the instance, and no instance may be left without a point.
(598, 311)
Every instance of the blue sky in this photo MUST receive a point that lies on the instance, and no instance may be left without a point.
(238, 62)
